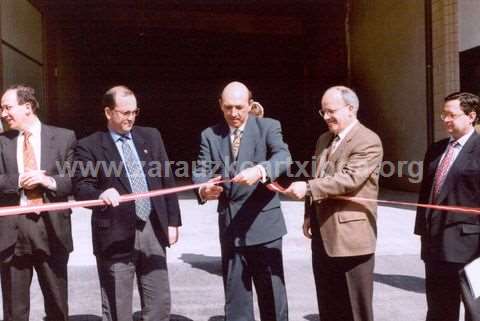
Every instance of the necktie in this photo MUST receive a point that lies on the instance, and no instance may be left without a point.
(237, 137)
(442, 169)
(333, 146)
(34, 196)
(137, 180)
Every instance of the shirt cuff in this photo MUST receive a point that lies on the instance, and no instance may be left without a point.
(52, 184)
(263, 173)
(200, 194)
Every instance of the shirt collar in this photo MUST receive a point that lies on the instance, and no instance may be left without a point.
(344, 132)
(242, 128)
(35, 127)
(116, 136)
(462, 140)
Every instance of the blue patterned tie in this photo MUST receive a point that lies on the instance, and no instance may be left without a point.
(137, 179)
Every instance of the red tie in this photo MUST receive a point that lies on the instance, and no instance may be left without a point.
(34, 197)
(442, 169)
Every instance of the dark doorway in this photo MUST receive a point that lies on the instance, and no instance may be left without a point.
(177, 55)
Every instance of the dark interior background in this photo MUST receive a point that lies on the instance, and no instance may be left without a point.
(177, 67)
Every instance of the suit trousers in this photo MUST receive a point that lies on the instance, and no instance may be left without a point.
(442, 285)
(17, 273)
(263, 265)
(116, 276)
(344, 285)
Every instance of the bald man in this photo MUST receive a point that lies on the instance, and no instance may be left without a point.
(343, 233)
(251, 152)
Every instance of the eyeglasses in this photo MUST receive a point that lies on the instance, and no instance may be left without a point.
(6, 108)
(129, 113)
(329, 112)
(444, 116)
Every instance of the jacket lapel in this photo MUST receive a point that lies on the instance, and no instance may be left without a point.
(10, 154)
(344, 143)
(247, 144)
(112, 155)
(47, 141)
(144, 152)
(321, 161)
(224, 148)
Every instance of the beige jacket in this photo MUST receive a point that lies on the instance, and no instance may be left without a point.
(347, 228)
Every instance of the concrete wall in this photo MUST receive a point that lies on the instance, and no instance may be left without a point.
(469, 13)
(387, 52)
(22, 46)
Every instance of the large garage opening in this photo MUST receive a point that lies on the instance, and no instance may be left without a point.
(177, 55)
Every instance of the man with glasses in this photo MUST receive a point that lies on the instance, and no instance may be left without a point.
(451, 176)
(32, 155)
(128, 238)
(343, 232)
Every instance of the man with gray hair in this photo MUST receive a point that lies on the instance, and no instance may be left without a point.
(343, 232)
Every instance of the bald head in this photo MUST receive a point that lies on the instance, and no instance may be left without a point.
(235, 103)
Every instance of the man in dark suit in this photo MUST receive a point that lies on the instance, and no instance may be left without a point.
(129, 238)
(451, 176)
(343, 233)
(251, 151)
(32, 158)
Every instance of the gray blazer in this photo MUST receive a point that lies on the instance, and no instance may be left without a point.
(248, 215)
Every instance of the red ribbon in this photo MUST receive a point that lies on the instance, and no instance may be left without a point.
(275, 187)
(17, 210)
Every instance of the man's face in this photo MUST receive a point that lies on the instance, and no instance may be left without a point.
(336, 113)
(235, 106)
(15, 115)
(122, 117)
(456, 122)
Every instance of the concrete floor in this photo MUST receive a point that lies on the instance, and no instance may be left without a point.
(195, 277)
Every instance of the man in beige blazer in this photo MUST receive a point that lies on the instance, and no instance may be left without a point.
(343, 232)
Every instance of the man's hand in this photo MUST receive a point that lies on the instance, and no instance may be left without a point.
(32, 179)
(307, 230)
(173, 234)
(248, 176)
(211, 191)
(110, 197)
(297, 190)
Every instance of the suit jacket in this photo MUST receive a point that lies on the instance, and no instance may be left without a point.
(248, 215)
(449, 236)
(346, 228)
(57, 152)
(113, 228)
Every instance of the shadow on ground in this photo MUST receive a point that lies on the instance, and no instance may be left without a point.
(312, 317)
(210, 264)
(404, 282)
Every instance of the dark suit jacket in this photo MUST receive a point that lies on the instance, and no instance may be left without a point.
(248, 215)
(57, 152)
(113, 228)
(449, 236)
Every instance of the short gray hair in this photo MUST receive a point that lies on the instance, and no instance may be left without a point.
(348, 96)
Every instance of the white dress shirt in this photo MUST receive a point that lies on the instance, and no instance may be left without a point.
(35, 140)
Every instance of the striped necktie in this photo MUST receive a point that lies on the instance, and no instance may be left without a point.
(34, 196)
(442, 169)
(237, 137)
(136, 176)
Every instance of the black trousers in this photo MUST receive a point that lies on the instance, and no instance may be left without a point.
(263, 265)
(16, 275)
(443, 289)
(344, 285)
